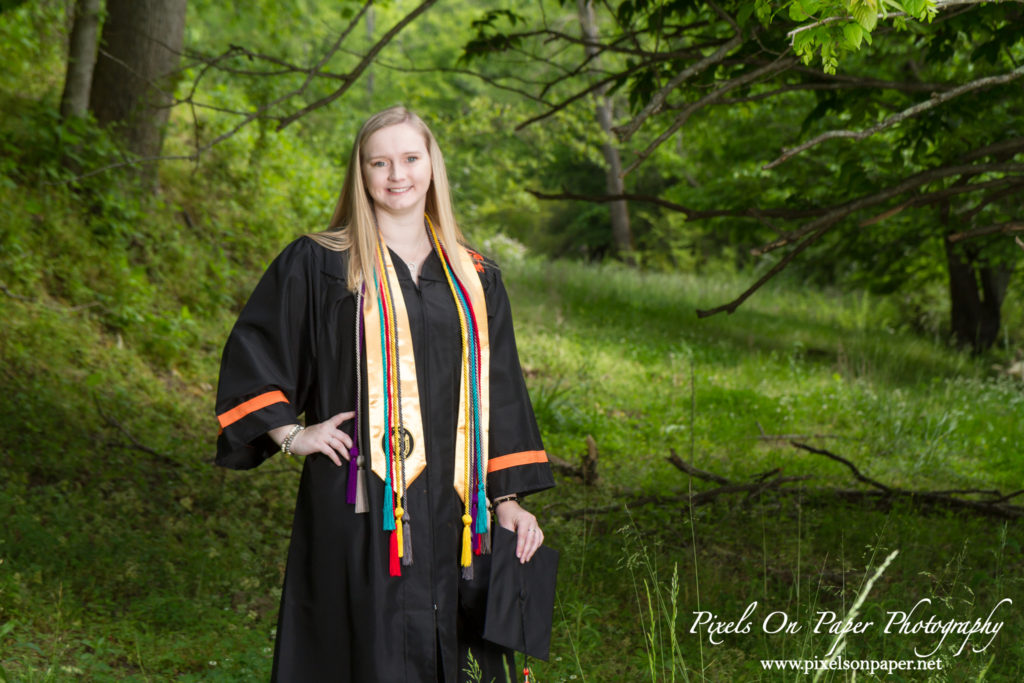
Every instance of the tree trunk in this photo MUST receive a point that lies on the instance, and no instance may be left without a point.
(622, 233)
(370, 28)
(976, 292)
(74, 102)
(134, 77)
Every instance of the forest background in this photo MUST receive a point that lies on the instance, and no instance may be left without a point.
(762, 258)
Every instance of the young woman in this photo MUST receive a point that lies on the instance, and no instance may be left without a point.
(395, 342)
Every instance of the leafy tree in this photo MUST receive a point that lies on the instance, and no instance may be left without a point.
(876, 129)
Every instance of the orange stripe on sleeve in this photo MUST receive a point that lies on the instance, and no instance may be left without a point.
(250, 406)
(503, 462)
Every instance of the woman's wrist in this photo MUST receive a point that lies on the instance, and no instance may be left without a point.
(286, 445)
(279, 434)
(514, 497)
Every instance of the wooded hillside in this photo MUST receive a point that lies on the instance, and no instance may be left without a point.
(764, 259)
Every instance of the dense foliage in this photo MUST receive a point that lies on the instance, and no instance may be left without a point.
(896, 168)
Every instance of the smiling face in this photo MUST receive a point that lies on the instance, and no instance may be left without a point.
(396, 170)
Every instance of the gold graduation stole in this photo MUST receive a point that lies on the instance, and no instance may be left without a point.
(397, 450)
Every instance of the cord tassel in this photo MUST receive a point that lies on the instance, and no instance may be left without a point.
(362, 506)
(389, 507)
(485, 542)
(353, 476)
(481, 511)
(467, 544)
(400, 543)
(406, 542)
(394, 565)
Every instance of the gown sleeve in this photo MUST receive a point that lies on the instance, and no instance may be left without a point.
(517, 462)
(266, 367)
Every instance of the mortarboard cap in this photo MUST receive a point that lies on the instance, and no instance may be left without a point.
(521, 596)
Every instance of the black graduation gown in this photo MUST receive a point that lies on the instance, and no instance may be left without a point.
(342, 617)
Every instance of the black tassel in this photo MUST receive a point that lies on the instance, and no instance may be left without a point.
(361, 504)
(406, 541)
(485, 541)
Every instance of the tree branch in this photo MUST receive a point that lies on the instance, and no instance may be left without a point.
(853, 468)
(686, 467)
(691, 214)
(996, 507)
(995, 503)
(813, 230)
(868, 82)
(134, 443)
(593, 87)
(998, 228)
(354, 74)
(1011, 190)
(695, 499)
(865, 201)
(792, 87)
(939, 195)
(490, 80)
(1010, 146)
(939, 5)
(626, 131)
(731, 307)
(910, 112)
(780, 64)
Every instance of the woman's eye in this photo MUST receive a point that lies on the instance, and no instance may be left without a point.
(379, 164)
(412, 159)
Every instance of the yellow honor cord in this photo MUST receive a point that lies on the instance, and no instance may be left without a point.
(392, 340)
(467, 540)
(467, 520)
(398, 529)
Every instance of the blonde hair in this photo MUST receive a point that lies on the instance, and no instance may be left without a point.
(353, 226)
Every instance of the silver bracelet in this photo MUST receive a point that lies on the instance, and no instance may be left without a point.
(286, 444)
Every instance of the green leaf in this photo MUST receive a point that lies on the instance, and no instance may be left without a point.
(744, 14)
(915, 8)
(803, 44)
(853, 33)
(7, 628)
(866, 16)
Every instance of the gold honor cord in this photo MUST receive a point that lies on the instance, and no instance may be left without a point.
(468, 421)
(396, 434)
(381, 397)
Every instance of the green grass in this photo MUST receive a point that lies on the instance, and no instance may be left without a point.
(612, 354)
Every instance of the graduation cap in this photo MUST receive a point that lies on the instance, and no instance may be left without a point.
(521, 596)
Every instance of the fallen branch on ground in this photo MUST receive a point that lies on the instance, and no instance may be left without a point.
(133, 443)
(586, 471)
(992, 502)
(997, 503)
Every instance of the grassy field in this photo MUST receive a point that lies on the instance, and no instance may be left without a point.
(622, 357)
